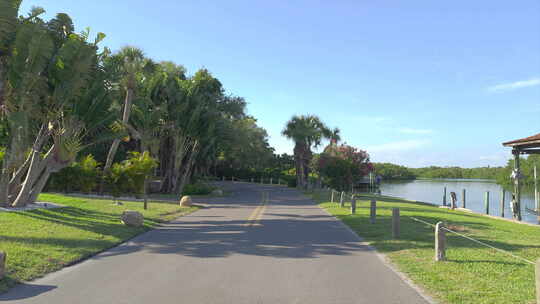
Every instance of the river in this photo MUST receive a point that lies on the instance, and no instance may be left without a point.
(432, 191)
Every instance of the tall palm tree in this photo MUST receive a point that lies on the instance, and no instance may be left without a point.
(335, 136)
(306, 131)
(131, 66)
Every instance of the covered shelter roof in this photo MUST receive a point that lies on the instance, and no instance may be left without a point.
(527, 145)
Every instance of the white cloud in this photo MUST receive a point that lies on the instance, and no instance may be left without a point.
(514, 85)
(415, 131)
(398, 146)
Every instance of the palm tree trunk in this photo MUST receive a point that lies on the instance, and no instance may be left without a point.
(188, 167)
(36, 166)
(4, 181)
(114, 147)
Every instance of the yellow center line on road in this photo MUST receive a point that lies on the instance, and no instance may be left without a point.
(255, 216)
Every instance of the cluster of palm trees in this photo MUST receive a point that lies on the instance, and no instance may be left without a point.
(307, 131)
(61, 96)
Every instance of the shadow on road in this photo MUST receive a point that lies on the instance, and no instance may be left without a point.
(25, 291)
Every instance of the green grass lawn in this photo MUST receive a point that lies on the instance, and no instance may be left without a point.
(473, 273)
(41, 241)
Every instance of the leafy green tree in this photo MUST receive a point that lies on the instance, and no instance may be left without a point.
(342, 166)
(48, 71)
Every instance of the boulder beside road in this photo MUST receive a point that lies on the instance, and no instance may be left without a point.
(132, 218)
(186, 201)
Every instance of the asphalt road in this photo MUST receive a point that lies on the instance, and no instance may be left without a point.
(235, 251)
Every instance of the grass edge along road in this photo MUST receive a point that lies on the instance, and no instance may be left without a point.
(473, 273)
(41, 241)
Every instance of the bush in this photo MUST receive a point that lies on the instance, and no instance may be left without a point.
(197, 189)
(81, 176)
(87, 174)
(131, 174)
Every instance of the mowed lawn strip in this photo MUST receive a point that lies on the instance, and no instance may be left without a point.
(41, 241)
(473, 273)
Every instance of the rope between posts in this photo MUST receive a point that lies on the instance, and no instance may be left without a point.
(477, 241)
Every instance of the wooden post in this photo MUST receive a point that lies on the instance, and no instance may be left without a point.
(444, 197)
(279, 181)
(252, 180)
(536, 203)
(537, 275)
(517, 186)
(353, 204)
(145, 193)
(341, 199)
(3, 264)
(440, 242)
(464, 199)
(395, 223)
(223, 178)
(486, 202)
(332, 197)
(271, 180)
(373, 211)
(503, 194)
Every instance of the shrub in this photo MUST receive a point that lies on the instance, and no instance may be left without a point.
(80, 176)
(197, 189)
(131, 174)
(87, 174)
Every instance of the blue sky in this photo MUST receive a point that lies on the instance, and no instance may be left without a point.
(413, 82)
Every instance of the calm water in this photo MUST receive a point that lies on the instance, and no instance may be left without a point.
(432, 191)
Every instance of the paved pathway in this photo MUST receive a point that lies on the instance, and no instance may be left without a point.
(235, 251)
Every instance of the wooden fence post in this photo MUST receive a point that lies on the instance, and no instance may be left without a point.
(332, 197)
(503, 194)
(2, 264)
(537, 275)
(373, 211)
(341, 199)
(486, 202)
(440, 242)
(464, 199)
(395, 223)
(353, 204)
(444, 197)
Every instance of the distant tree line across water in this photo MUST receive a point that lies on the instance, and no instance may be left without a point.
(501, 175)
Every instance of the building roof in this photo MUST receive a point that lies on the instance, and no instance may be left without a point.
(527, 142)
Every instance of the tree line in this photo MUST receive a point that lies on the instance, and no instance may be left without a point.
(63, 97)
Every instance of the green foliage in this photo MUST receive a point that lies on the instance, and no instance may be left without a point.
(198, 188)
(341, 166)
(131, 174)
(390, 171)
(88, 173)
(526, 165)
(457, 172)
(81, 176)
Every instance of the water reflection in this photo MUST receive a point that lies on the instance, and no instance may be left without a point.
(432, 191)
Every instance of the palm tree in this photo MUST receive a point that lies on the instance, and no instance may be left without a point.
(306, 131)
(131, 66)
(335, 136)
